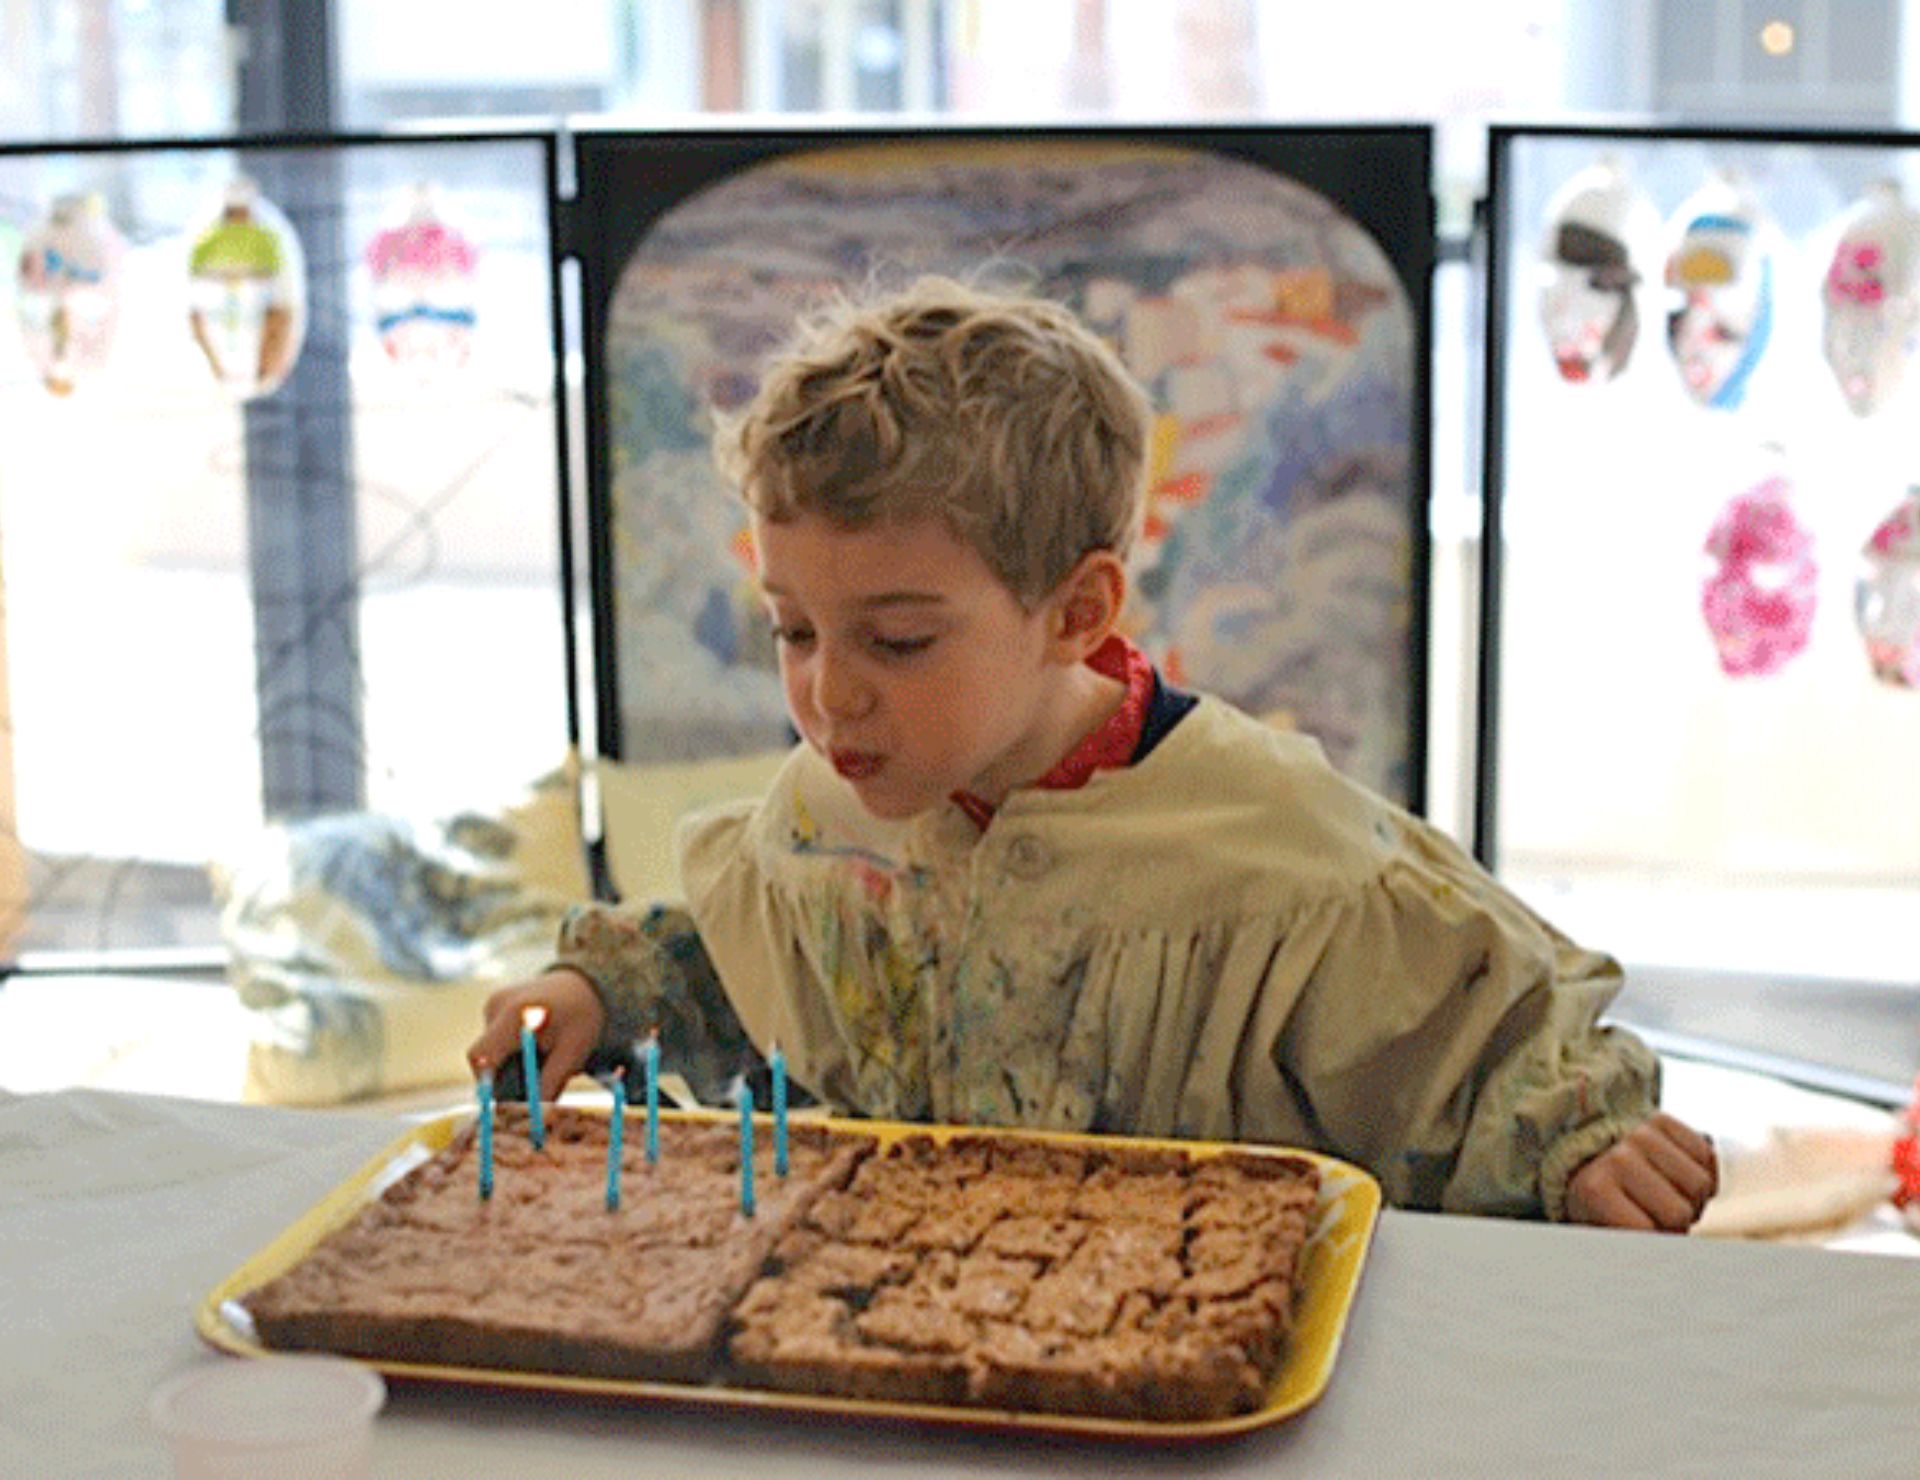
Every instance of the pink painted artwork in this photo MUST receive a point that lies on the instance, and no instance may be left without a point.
(423, 290)
(1871, 300)
(1759, 599)
(1887, 597)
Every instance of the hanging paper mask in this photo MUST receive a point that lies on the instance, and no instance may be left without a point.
(1759, 599)
(1587, 297)
(423, 291)
(247, 294)
(1721, 276)
(1870, 300)
(68, 294)
(1886, 600)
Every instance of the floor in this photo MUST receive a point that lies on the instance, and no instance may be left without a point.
(1797, 1164)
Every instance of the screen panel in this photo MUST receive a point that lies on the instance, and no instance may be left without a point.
(279, 505)
(1699, 425)
(1270, 288)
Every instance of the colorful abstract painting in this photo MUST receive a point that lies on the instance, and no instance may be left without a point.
(1279, 345)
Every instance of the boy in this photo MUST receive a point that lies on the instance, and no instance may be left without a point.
(1010, 877)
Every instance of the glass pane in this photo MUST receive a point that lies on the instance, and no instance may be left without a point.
(878, 56)
(114, 69)
(141, 628)
(453, 59)
(1699, 753)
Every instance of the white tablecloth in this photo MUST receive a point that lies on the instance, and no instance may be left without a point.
(1476, 1347)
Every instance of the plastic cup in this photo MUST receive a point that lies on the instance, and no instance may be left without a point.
(310, 1416)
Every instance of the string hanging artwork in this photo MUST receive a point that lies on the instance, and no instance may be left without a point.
(247, 293)
(67, 291)
(1759, 598)
(1871, 312)
(1721, 275)
(1887, 596)
(424, 300)
(1595, 223)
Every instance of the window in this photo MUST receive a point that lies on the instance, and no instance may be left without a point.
(128, 779)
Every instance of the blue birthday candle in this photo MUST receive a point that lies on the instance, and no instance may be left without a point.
(531, 1018)
(779, 1065)
(483, 1092)
(616, 1138)
(652, 1058)
(743, 1092)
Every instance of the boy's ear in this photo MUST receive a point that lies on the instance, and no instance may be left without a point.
(1087, 604)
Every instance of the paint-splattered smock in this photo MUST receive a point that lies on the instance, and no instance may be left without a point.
(1227, 940)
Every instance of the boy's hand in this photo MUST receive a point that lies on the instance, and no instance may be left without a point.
(574, 1019)
(1658, 1177)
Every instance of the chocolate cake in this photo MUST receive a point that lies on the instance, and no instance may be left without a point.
(541, 1277)
(1018, 1274)
(978, 1270)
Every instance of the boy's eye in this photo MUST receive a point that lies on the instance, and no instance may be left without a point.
(791, 635)
(902, 647)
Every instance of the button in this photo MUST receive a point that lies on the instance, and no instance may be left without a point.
(1028, 857)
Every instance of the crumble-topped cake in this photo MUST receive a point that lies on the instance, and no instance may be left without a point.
(1017, 1274)
(542, 1277)
(982, 1270)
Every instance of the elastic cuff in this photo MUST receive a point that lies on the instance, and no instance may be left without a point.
(1573, 1151)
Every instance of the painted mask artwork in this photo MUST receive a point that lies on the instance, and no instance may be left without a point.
(1759, 599)
(1886, 599)
(1872, 310)
(1720, 273)
(247, 293)
(67, 294)
(1587, 294)
(423, 291)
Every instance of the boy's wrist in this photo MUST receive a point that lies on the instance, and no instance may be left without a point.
(606, 1036)
(1566, 1156)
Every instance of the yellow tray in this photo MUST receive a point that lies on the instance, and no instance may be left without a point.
(1336, 1250)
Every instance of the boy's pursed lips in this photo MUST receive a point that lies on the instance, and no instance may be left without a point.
(856, 764)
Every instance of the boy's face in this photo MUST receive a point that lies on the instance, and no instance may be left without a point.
(906, 662)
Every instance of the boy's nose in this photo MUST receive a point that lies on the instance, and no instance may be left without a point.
(838, 691)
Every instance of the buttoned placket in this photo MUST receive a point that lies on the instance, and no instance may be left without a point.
(954, 848)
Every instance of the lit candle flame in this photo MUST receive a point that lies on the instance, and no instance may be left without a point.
(533, 1017)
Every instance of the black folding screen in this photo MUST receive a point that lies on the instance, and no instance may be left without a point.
(1269, 286)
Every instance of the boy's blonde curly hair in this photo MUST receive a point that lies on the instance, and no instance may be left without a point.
(1003, 416)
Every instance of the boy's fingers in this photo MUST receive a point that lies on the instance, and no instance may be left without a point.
(1662, 1202)
(1609, 1205)
(495, 1042)
(1689, 1140)
(1673, 1160)
(558, 1065)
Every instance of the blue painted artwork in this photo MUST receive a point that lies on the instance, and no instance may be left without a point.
(1276, 341)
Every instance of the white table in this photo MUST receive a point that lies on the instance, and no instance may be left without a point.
(1476, 1347)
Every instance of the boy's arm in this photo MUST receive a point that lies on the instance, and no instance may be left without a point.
(1449, 1039)
(652, 972)
(1555, 1091)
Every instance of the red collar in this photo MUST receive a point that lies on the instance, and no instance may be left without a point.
(1111, 746)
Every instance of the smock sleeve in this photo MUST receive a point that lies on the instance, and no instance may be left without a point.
(652, 973)
(1449, 1038)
